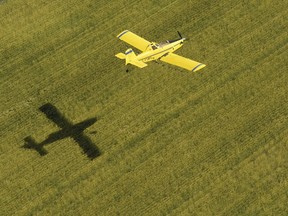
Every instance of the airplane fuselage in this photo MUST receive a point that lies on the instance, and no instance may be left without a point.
(154, 54)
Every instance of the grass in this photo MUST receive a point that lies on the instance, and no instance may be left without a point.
(173, 142)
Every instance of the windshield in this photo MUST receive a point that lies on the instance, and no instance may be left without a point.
(163, 43)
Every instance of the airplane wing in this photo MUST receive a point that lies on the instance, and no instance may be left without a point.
(54, 115)
(134, 40)
(183, 62)
(89, 148)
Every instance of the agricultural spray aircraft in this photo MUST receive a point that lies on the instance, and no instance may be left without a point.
(68, 129)
(153, 51)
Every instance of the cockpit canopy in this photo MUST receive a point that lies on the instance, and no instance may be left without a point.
(154, 46)
(164, 43)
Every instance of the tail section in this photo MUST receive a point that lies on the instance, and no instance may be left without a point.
(137, 63)
(130, 58)
(30, 143)
(120, 55)
(130, 53)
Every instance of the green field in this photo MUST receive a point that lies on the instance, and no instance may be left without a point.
(172, 142)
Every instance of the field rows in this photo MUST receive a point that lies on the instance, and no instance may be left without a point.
(80, 187)
(173, 142)
(133, 125)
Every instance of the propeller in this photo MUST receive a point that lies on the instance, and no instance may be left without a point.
(171, 41)
(181, 36)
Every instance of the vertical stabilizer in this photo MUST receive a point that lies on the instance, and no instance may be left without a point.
(130, 58)
(130, 53)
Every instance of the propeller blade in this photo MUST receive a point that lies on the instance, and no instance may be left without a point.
(179, 34)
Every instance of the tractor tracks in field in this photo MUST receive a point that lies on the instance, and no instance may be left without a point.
(264, 152)
(238, 72)
(123, 176)
(146, 134)
(70, 42)
(138, 137)
(103, 45)
(212, 155)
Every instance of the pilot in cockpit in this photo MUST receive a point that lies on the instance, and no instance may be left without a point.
(153, 46)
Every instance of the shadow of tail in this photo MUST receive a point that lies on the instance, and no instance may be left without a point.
(30, 143)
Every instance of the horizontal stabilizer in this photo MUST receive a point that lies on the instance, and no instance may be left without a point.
(120, 55)
(30, 143)
(137, 63)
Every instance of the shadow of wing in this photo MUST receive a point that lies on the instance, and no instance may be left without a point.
(89, 148)
(54, 115)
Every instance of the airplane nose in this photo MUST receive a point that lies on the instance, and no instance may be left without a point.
(182, 40)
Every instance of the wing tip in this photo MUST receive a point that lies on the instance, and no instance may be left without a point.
(122, 33)
(198, 67)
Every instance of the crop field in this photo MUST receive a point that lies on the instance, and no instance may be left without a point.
(171, 142)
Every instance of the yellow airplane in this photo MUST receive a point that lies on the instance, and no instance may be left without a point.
(153, 51)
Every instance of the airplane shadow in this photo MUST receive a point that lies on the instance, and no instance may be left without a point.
(67, 129)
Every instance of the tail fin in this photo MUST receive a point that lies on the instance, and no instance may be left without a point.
(130, 57)
(30, 143)
(129, 54)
